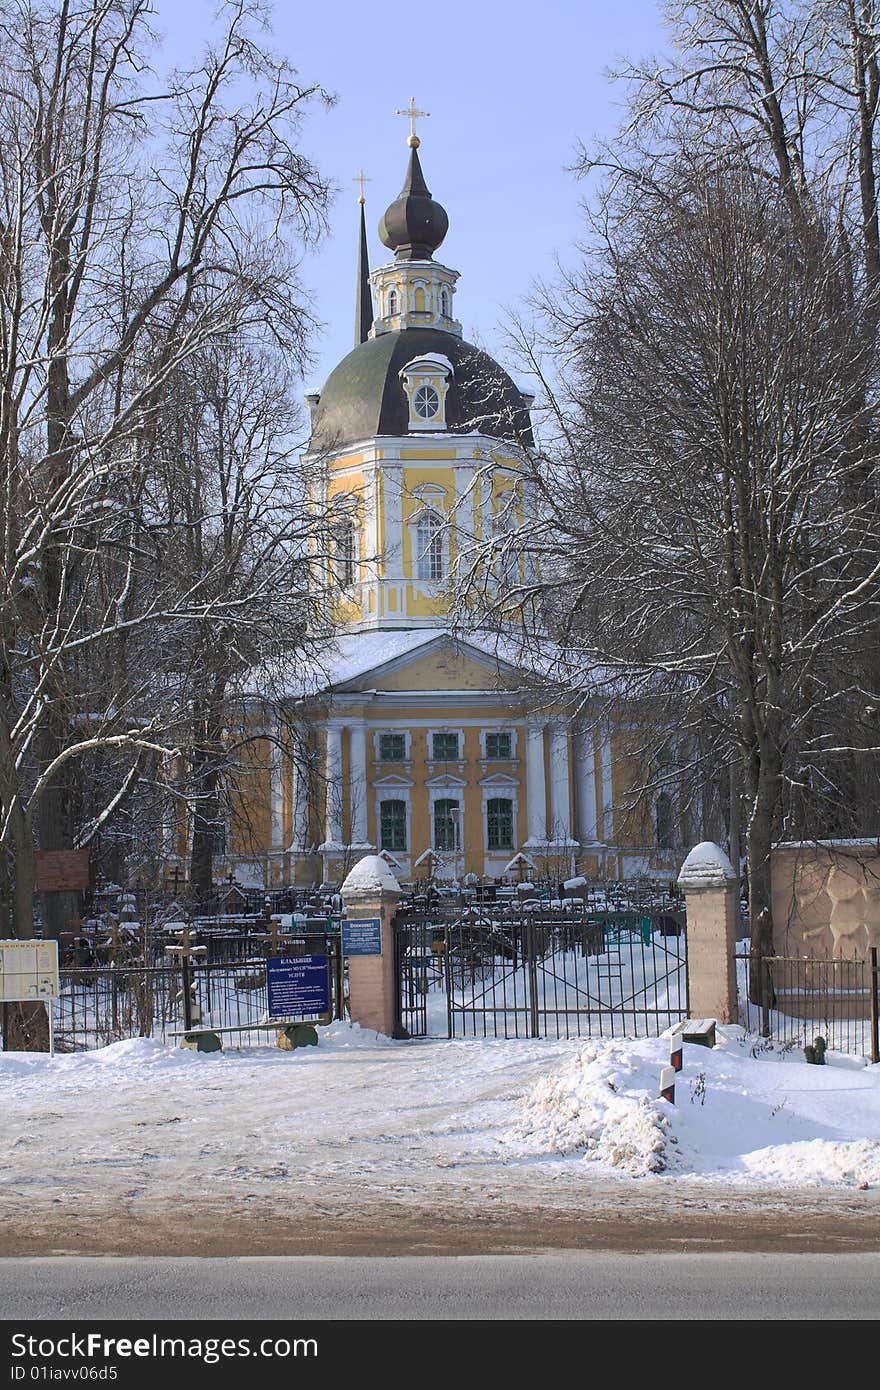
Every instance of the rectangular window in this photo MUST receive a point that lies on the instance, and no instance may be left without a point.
(392, 825)
(499, 817)
(446, 817)
(445, 748)
(498, 746)
(392, 748)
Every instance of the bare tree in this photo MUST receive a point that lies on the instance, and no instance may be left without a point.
(138, 224)
(702, 550)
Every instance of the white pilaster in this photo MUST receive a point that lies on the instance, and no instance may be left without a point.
(333, 775)
(560, 827)
(358, 782)
(585, 788)
(276, 795)
(607, 792)
(299, 807)
(536, 789)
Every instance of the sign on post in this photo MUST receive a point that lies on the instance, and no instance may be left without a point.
(29, 972)
(362, 937)
(61, 870)
(299, 986)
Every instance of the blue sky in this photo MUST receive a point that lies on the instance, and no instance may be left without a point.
(511, 89)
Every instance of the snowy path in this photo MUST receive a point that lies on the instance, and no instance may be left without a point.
(271, 1151)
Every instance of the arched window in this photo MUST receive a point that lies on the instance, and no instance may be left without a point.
(392, 302)
(447, 814)
(429, 546)
(392, 825)
(345, 558)
(665, 822)
(420, 303)
(444, 303)
(499, 823)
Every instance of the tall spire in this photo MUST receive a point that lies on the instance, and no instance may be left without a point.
(363, 312)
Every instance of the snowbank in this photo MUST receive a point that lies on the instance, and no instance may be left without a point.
(744, 1112)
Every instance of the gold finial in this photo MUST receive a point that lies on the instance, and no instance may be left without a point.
(361, 178)
(413, 114)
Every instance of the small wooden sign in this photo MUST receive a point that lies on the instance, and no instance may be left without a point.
(61, 870)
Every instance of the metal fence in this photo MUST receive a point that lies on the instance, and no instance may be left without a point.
(801, 998)
(560, 973)
(106, 1004)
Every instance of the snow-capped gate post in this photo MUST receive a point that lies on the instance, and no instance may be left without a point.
(710, 888)
(370, 894)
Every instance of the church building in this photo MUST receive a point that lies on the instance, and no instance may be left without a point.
(429, 746)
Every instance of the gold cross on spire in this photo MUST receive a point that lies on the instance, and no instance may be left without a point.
(413, 114)
(361, 178)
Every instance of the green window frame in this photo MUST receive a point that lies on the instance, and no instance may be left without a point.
(392, 825)
(499, 823)
(445, 747)
(447, 812)
(498, 745)
(392, 748)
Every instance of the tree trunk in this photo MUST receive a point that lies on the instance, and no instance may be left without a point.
(27, 1027)
(762, 825)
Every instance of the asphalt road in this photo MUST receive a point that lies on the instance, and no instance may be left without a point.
(590, 1285)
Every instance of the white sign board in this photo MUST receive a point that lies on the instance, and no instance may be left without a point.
(28, 970)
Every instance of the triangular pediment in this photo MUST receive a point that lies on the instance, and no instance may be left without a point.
(441, 663)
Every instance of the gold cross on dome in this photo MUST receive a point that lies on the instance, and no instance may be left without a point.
(414, 114)
(361, 178)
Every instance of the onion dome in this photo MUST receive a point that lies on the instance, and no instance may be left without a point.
(414, 225)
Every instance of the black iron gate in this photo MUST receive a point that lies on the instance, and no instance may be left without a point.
(540, 974)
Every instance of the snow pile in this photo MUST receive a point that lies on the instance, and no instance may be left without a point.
(745, 1113)
(370, 875)
(707, 866)
(600, 1104)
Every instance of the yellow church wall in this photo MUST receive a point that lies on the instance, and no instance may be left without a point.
(250, 800)
(412, 479)
(441, 670)
(632, 815)
(342, 462)
(422, 605)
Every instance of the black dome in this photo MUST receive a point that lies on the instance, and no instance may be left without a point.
(414, 225)
(364, 395)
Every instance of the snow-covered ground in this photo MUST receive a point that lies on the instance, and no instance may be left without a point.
(361, 1118)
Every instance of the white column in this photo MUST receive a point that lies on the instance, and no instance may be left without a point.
(300, 806)
(333, 775)
(276, 794)
(585, 787)
(536, 789)
(607, 794)
(560, 828)
(358, 782)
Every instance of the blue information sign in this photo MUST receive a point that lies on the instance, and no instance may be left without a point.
(362, 937)
(299, 986)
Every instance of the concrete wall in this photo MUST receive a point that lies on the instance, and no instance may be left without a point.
(826, 898)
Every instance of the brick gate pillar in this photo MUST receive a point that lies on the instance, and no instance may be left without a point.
(711, 891)
(370, 894)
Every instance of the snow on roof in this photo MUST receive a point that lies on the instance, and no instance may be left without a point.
(429, 357)
(353, 654)
(707, 866)
(370, 875)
